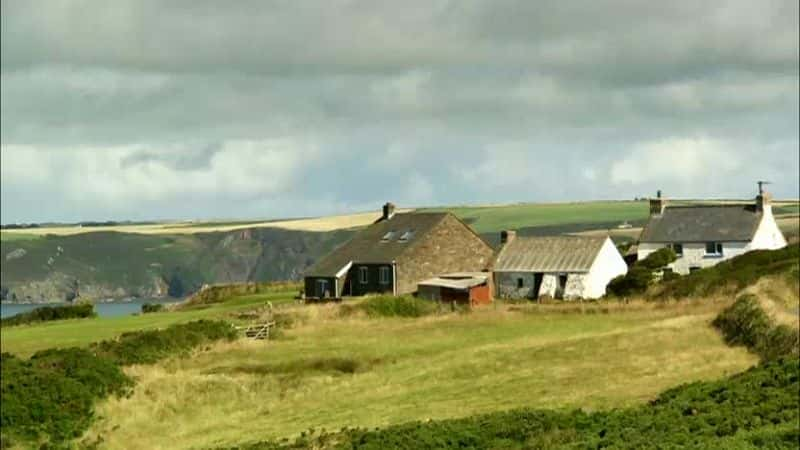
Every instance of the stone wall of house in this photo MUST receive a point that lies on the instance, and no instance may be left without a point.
(450, 247)
(507, 285)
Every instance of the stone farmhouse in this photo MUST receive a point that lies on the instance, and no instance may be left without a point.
(568, 267)
(397, 252)
(704, 235)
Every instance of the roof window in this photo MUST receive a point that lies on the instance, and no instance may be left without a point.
(406, 236)
(388, 236)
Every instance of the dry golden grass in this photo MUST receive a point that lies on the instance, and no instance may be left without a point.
(778, 298)
(314, 224)
(546, 356)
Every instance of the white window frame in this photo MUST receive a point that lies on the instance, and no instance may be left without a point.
(718, 249)
(383, 275)
(363, 275)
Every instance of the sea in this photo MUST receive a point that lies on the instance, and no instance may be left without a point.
(108, 309)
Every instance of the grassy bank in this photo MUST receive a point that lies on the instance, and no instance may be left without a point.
(26, 340)
(332, 371)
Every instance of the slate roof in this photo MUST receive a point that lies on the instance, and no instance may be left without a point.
(549, 254)
(703, 223)
(369, 245)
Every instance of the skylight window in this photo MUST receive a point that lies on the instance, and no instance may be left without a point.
(406, 236)
(388, 236)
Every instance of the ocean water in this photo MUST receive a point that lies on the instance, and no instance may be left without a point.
(112, 309)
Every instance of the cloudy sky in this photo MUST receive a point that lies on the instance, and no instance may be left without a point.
(256, 109)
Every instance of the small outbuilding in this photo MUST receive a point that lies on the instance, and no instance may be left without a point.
(566, 267)
(463, 288)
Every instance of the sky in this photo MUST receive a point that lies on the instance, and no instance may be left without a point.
(142, 110)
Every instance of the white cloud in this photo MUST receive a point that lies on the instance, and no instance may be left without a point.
(239, 168)
(675, 159)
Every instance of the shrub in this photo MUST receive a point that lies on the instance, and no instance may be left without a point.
(149, 346)
(391, 306)
(47, 313)
(152, 307)
(755, 407)
(635, 281)
(50, 396)
(658, 259)
(640, 274)
(745, 323)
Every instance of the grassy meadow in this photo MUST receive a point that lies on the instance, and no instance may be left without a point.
(27, 339)
(329, 371)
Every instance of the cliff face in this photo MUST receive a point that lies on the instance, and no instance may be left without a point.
(108, 265)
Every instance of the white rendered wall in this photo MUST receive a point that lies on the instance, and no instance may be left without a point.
(694, 254)
(607, 265)
(768, 235)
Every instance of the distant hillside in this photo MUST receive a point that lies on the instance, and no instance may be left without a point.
(104, 265)
(158, 260)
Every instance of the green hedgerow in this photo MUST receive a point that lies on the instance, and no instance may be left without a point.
(149, 346)
(47, 313)
(745, 323)
(391, 306)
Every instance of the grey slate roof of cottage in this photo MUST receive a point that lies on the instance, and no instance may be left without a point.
(703, 223)
(549, 254)
(375, 244)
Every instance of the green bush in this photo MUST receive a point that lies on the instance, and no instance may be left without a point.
(152, 307)
(47, 313)
(50, 397)
(635, 281)
(149, 346)
(745, 323)
(391, 306)
(757, 407)
(658, 259)
(640, 274)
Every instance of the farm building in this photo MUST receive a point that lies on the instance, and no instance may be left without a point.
(567, 267)
(704, 235)
(397, 252)
(462, 288)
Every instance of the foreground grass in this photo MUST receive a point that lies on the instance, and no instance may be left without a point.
(27, 339)
(331, 372)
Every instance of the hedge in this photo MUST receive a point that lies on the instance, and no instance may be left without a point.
(47, 313)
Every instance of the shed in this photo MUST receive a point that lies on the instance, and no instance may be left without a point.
(463, 287)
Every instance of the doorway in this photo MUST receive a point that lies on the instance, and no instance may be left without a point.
(537, 283)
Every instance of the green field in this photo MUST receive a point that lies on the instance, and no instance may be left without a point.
(496, 218)
(330, 371)
(24, 340)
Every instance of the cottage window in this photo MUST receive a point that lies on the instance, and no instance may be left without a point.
(714, 248)
(520, 283)
(384, 275)
(678, 249)
(363, 275)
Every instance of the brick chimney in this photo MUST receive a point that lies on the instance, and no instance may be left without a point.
(657, 204)
(388, 211)
(506, 236)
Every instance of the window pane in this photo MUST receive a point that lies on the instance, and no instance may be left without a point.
(710, 247)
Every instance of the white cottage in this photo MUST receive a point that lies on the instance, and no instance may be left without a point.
(704, 235)
(567, 267)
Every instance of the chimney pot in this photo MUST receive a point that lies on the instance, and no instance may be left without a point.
(506, 236)
(388, 211)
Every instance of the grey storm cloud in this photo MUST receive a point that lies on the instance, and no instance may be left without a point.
(144, 109)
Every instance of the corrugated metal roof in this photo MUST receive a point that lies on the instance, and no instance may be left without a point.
(549, 254)
(374, 244)
(447, 281)
(704, 223)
